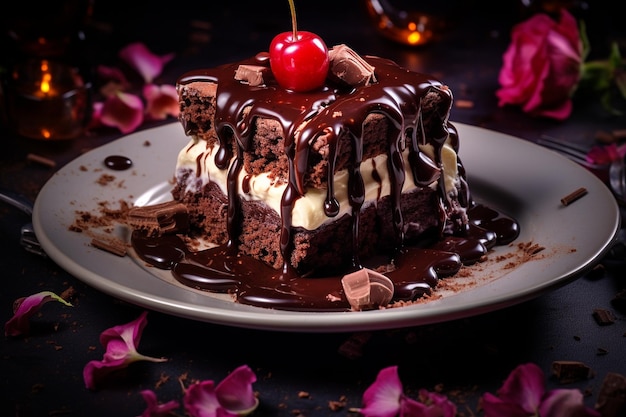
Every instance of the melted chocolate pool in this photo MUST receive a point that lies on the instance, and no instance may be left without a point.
(417, 268)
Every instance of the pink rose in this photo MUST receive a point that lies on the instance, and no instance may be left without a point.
(542, 66)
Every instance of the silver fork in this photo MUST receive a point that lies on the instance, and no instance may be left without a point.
(573, 152)
(28, 240)
(614, 171)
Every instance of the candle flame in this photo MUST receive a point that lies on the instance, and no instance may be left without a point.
(46, 77)
(414, 38)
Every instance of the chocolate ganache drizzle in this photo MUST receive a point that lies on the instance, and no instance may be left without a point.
(467, 230)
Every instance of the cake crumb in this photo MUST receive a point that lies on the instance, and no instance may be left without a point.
(337, 405)
(162, 380)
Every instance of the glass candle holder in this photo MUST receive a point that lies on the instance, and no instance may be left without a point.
(410, 27)
(47, 100)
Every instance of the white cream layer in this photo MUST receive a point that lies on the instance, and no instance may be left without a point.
(309, 209)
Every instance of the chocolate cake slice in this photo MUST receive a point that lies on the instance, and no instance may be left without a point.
(325, 179)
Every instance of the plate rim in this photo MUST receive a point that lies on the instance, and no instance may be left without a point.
(280, 320)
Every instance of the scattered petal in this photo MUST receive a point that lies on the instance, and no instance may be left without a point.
(201, 400)
(112, 74)
(231, 397)
(120, 343)
(565, 402)
(235, 392)
(24, 308)
(147, 64)
(434, 405)
(606, 154)
(162, 101)
(154, 409)
(386, 398)
(523, 394)
(382, 398)
(123, 111)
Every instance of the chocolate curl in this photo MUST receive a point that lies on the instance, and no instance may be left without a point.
(349, 67)
(158, 219)
(250, 74)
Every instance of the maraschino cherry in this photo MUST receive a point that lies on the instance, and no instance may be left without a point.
(298, 59)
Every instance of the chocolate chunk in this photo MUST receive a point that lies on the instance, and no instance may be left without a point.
(603, 317)
(349, 67)
(158, 219)
(570, 371)
(251, 74)
(366, 289)
(611, 401)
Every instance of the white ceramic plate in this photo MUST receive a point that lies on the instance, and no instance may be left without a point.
(506, 173)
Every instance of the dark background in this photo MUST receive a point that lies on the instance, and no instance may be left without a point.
(42, 374)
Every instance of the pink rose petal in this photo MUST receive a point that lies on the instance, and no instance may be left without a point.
(25, 308)
(386, 398)
(162, 101)
(382, 398)
(231, 397)
(606, 154)
(565, 402)
(235, 391)
(120, 343)
(523, 394)
(154, 409)
(147, 64)
(123, 111)
(112, 74)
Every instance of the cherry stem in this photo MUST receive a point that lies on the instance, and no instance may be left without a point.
(294, 25)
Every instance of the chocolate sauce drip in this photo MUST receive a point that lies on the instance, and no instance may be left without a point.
(503, 227)
(398, 95)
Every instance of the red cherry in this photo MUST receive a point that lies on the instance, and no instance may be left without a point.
(299, 60)
(301, 64)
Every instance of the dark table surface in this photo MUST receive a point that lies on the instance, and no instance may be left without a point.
(41, 374)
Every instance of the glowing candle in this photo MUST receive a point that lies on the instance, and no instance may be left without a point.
(413, 28)
(48, 100)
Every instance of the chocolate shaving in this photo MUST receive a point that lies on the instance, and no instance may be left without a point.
(251, 74)
(349, 67)
(116, 247)
(571, 371)
(570, 198)
(42, 160)
(158, 219)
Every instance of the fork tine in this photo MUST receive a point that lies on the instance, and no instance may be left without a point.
(569, 150)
